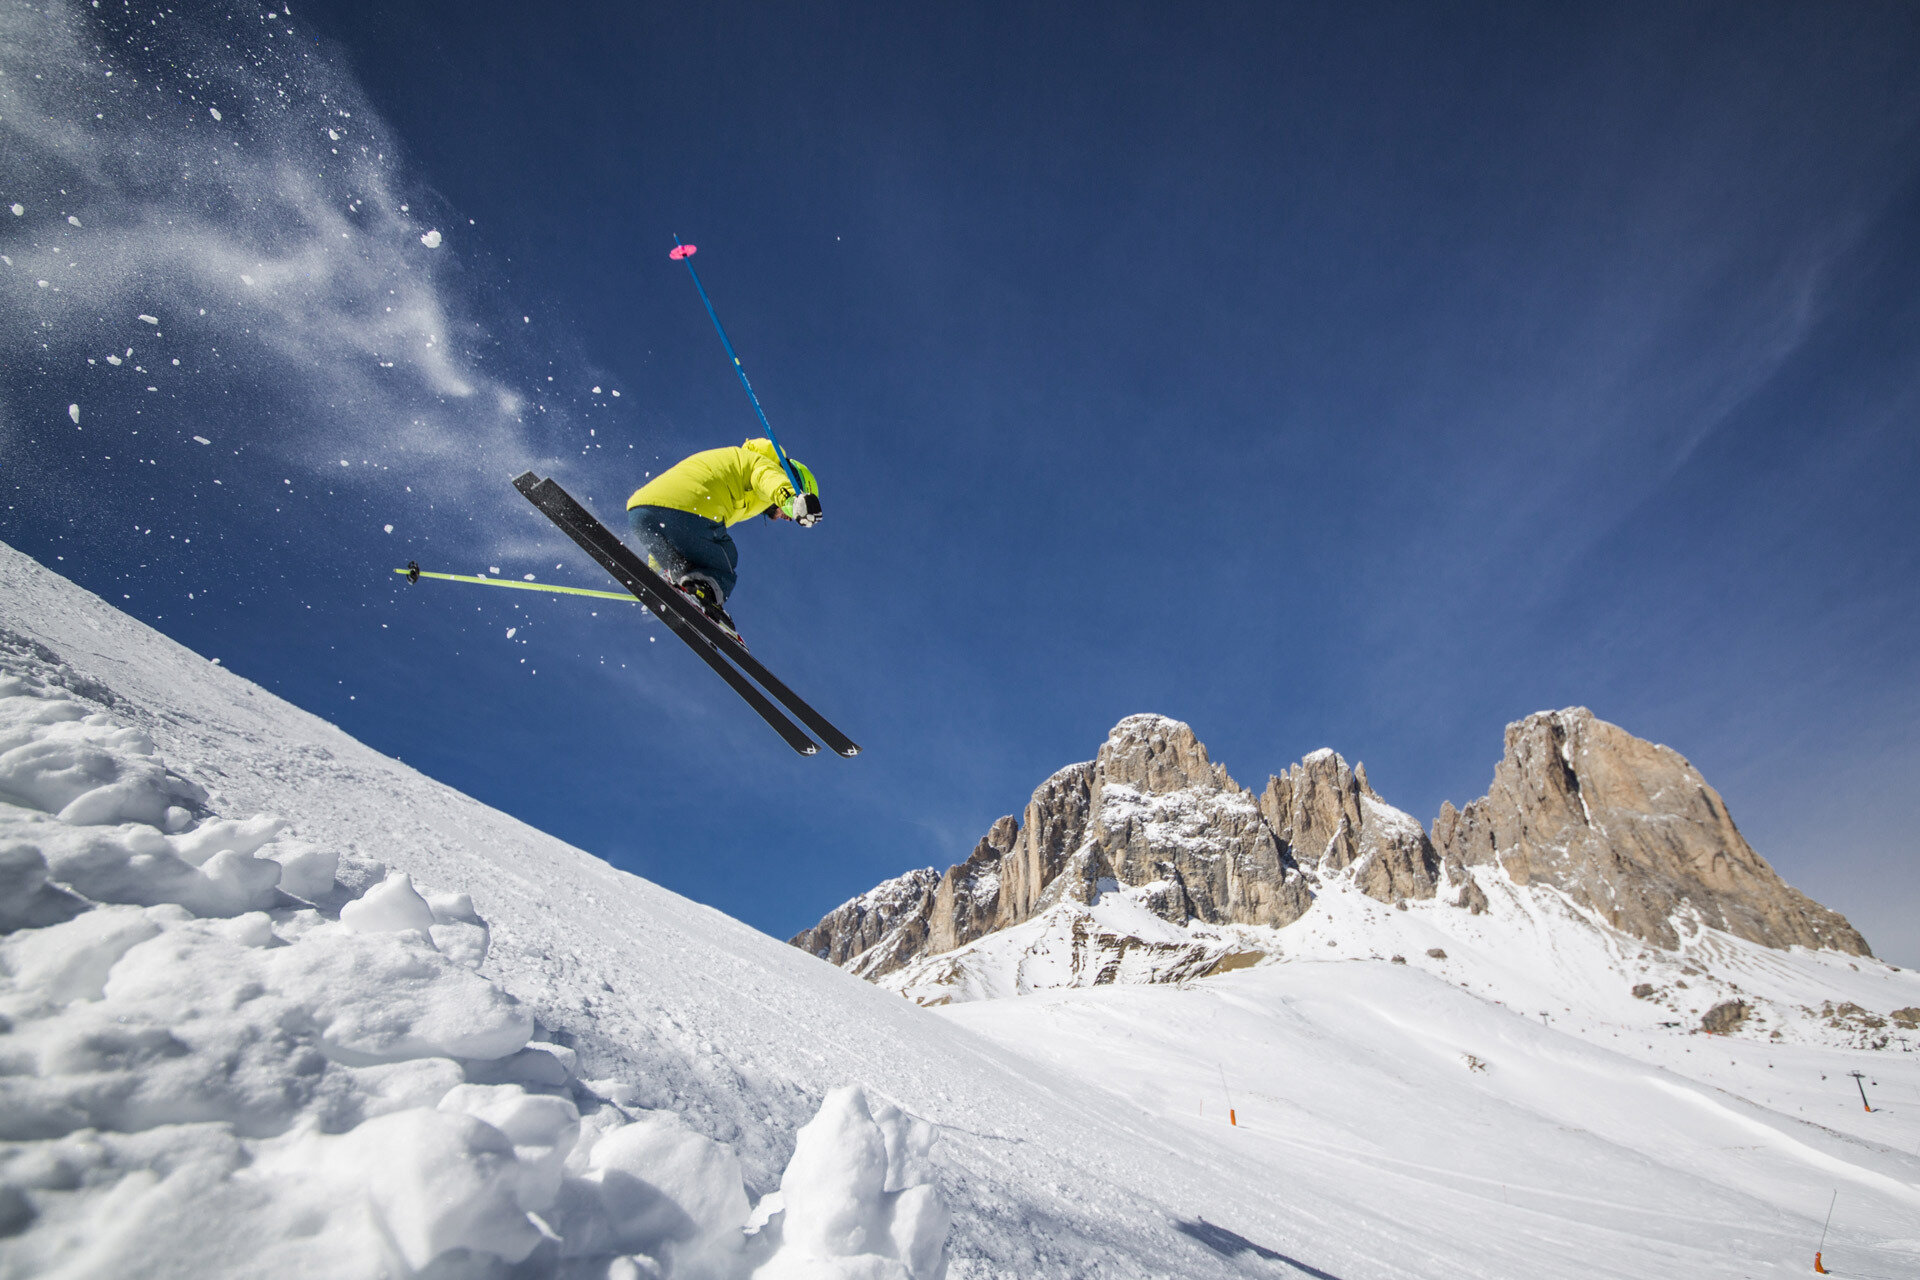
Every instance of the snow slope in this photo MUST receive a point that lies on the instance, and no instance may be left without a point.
(1071, 1134)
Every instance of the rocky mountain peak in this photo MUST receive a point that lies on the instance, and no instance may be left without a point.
(1332, 821)
(1150, 863)
(1630, 829)
(1158, 755)
(879, 930)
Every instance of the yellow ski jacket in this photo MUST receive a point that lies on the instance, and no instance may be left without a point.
(728, 485)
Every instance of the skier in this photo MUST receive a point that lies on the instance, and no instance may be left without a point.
(680, 517)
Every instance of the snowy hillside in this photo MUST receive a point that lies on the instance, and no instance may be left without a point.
(330, 1017)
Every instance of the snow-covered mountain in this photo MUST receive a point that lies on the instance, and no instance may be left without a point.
(276, 1004)
(1608, 858)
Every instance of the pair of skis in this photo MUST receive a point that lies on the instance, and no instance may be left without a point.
(740, 669)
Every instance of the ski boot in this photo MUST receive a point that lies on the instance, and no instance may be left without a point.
(706, 593)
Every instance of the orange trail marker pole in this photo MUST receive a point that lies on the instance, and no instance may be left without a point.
(1860, 1082)
(1823, 1234)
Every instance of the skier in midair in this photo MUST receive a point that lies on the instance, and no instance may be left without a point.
(680, 517)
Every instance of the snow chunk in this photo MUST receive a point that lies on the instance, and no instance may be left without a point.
(73, 411)
(201, 440)
(148, 319)
(71, 961)
(392, 906)
(460, 934)
(224, 835)
(439, 1181)
(431, 239)
(542, 1130)
(385, 997)
(27, 901)
(136, 864)
(19, 210)
(214, 112)
(90, 773)
(657, 1187)
(849, 1211)
(306, 870)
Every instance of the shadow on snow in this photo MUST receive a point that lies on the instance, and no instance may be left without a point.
(1229, 1244)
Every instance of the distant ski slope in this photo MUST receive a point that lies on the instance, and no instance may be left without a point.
(1075, 1142)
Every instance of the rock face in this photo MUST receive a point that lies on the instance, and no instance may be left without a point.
(1151, 826)
(1331, 820)
(1150, 813)
(878, 931)
(1632, 831)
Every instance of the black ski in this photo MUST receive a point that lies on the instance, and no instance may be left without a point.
(715, 647)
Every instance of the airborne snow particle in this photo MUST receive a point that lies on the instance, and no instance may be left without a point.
(73, 411)
(72, 221)
(493, 568)
(245, 278)
(616, 393)
(214, 112)
(431, 239)
(149, 319)
(527, 577)
(510, 631)
(201, 440)
(389, 528)
(19, 211)
(113, 359)
(596, 391)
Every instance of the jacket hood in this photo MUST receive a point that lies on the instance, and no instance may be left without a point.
(764, 447)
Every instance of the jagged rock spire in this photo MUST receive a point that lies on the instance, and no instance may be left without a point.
(1630, 829)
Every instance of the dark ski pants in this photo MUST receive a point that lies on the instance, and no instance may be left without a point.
(675, 541)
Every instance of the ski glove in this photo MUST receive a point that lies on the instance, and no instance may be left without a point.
(803, 509)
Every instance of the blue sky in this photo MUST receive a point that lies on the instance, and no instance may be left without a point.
(1365, 376)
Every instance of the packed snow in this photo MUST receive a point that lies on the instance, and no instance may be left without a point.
(276, 1004)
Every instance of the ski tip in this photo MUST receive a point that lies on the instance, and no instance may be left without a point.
(851, 750)
(681, 252)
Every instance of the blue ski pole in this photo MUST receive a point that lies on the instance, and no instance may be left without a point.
(684, 253)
